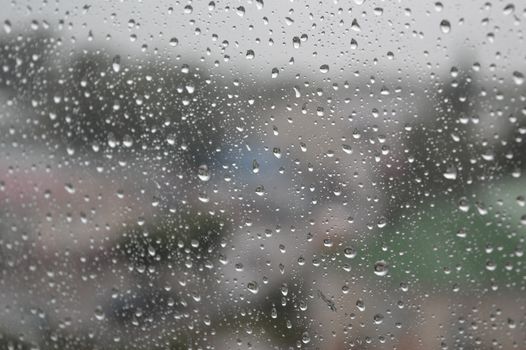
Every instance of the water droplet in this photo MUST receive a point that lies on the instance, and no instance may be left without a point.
(99, 313)
(151, 250)
(378, 318)
(174, 42)
(116, 64)
(463, 204)
(69, 188)
(462, 233)
(260, 190)
(255, 166)
(127, 141)
(350, 252)
(518, 78)
(451, 173)
(7, 26)
(509, 9)
(491, 265)
(296, 42)
(347, 149)
(445, 26)
(305, 338)
(203, 197)
(355, 26)
(381, 268)
(324, 68)
(253, 287)
(203, 173)
(360, 305)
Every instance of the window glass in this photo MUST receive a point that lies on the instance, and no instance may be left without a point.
(256, 174)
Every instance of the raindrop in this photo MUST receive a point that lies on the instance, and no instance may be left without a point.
(324, 68)
(378, 318)
(518, 78)
(463, 204)
(381, 268)
(255, 166)
(445, 26)
(347, 149)
(253, 287)
(99, 313)
(240, 11)
(7, 26)
(203, 173)
(305, 338)
(355, 26)
(203, 197)
(451, 173)
(350, 252)
(116, 65)
(360, 305)
(260, 190)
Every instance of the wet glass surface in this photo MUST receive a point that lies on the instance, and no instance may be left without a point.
(262, 175)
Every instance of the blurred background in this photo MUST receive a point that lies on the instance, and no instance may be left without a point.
(262, 174)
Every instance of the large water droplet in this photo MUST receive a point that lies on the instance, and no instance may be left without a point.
(253, 287)
(381, 268)
(445, 26)
(518, 78)
(116, 64)
(203, 173)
